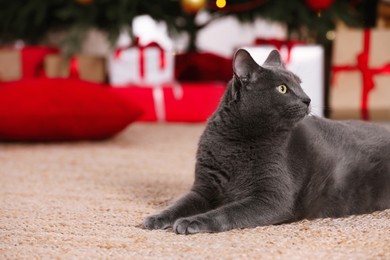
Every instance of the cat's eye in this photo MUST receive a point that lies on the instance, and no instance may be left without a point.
(282, 89)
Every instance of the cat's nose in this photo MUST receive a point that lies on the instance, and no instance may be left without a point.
(306, 101)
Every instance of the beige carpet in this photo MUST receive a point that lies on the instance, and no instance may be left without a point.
(86, 200)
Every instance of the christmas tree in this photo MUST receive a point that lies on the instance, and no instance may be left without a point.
(307, 20)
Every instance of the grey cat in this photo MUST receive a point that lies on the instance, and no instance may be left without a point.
(261, 160)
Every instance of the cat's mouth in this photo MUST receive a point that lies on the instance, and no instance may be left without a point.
(308, 110)
(297, 112)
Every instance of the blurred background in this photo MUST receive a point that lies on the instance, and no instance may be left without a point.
(169, 61)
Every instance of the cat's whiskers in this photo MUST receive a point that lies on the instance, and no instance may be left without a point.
(316, 110)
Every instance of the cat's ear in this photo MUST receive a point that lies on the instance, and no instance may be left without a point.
(274, 59)
(243, 64)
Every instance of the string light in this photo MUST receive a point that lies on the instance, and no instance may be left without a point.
(220, 3)
(235, 8)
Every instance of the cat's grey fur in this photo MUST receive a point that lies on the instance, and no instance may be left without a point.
(262, 161)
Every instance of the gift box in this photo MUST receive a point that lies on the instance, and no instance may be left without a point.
(33, 60)
(85, 67)
(361, 75)
(306, 61)
(26, 62)
(141, 65)
(10, 65)
(187, 102)
(195, 66)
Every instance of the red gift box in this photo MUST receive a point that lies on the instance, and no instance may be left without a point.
(187, 102)
(202, 67)
(24, 63)
(33, 60)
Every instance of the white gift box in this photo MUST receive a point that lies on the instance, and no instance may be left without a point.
(306, 61)
(141, 66)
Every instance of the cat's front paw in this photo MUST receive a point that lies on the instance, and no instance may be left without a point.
(189, 225)
(157, 222)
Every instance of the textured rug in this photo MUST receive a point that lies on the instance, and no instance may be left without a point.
(86, 200)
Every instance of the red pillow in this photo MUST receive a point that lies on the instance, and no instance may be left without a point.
(61, 110)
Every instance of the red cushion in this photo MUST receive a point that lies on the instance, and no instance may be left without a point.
(61, 110)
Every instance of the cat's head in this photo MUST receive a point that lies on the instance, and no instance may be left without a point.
(267, 93)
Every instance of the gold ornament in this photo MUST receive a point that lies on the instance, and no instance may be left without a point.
(193, 6)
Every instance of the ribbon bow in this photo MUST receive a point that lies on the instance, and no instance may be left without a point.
(142, 48)
(368, 73)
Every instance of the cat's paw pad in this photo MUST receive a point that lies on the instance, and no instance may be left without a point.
(156, 222)
(187, 226)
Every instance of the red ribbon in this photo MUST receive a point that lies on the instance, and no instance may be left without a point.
(279, 44)
(142, 48)
(74, 68)
(368, 74)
